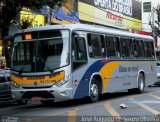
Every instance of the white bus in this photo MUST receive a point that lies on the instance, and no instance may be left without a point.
(61, 62)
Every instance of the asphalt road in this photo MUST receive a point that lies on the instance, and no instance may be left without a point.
(140, 107)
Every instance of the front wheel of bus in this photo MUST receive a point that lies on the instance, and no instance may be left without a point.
(141, 84)
(94, 90)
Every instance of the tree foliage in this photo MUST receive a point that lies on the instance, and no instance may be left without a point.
(9, 9)
(156, 24)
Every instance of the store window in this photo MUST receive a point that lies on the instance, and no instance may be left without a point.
(147, 7)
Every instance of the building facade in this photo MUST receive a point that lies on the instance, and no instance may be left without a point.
(149, 16)
(123, 14)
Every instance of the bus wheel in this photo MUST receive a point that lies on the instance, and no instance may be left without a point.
(141, 84)
(94, 90)
(47, 102)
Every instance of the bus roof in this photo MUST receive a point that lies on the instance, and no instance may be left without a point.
(87, 27)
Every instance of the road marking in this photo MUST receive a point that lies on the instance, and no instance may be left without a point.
(146, 101)
(155, 112)
(110, 109)
(89, 106)
(154, 96)
(131, 98)
(72, 115)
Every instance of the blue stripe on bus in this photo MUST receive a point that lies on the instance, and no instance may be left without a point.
(83, 87)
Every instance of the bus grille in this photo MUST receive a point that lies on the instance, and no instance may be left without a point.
(37, 87)
(42, 94)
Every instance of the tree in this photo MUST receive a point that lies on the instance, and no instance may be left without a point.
(157, 29)
(155, 24)
(10, 8)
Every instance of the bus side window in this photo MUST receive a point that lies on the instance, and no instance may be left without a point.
(118, 51)
(135, 48)
(149, 49)
(90, 47)
(79, 55)
(131, 48)
(96, 46)
(126, 45)
(138, 49)
(112, 47)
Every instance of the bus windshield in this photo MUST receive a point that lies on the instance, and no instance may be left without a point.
(46, 53)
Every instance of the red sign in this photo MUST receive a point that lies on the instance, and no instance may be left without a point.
(109, 15)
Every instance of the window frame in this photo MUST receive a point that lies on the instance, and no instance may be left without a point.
(147, 7)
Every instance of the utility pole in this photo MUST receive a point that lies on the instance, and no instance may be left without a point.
(48, 12)
(153, 21)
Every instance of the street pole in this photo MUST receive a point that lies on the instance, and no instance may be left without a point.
(48, 11)
(153, 20)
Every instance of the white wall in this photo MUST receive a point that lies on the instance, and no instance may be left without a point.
(146, 16)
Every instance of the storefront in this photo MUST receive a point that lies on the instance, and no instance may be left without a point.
(67, 14)
(36, 20)
(0, 44)
(0, 47)
(124, 14)
(2, 58)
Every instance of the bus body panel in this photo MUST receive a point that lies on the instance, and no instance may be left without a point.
(117, 75)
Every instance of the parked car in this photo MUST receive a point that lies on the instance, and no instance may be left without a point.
(158, 74)
(5, 87)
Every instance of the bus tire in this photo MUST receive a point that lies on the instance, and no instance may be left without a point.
(94, 90)
(47, 102)
(141, 84)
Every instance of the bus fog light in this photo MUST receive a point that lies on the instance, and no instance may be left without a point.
(65, 93)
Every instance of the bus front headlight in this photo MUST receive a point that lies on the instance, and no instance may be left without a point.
(62, 82)
(15, 84)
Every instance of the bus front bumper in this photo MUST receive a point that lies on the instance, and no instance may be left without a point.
(42, 94)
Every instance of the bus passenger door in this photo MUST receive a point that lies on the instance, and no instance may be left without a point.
(79, 61)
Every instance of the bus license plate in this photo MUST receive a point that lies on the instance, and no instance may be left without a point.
(36, 98)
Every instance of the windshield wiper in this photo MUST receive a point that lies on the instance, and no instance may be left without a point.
(49, 69)
(22, 68)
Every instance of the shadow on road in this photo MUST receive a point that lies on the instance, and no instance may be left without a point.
(83, 101)
(4, 104)
(72, 103)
